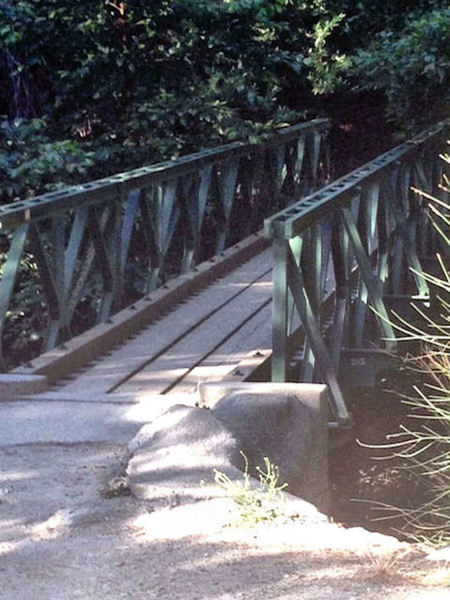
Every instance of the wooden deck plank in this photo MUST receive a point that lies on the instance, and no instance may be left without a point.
(164, 372)
(255, 333)
(106, 373)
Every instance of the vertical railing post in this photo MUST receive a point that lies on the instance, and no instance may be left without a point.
(280, 310)
(9, 273)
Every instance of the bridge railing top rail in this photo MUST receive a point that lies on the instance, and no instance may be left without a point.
(290, 221)
(68, 198)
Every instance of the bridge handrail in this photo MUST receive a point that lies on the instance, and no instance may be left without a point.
(67, 198)
(98, 246)
(364, 237)
(290, 221)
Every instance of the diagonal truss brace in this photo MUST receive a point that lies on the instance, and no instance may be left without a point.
(403, 229)
(369, 278)
(323, 360)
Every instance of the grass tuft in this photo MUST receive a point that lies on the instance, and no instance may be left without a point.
(264, 503)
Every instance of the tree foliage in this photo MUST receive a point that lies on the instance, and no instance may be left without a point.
(140, 81)
(30, 160)
(411, 67)
(107, 85)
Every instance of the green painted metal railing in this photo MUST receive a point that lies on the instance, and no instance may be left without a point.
(362, 237)
(114, 239)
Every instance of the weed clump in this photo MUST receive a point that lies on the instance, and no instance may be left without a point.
(263, 503)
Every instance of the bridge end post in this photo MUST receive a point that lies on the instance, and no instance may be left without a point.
(280, 311)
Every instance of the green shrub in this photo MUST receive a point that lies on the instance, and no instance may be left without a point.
(31, 163)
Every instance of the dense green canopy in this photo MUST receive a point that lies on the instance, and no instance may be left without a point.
(93, 87)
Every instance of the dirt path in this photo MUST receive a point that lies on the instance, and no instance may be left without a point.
(62, 539)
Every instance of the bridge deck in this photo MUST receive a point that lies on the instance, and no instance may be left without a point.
(203, 338)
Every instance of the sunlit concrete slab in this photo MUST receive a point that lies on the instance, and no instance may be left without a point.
(77, 421)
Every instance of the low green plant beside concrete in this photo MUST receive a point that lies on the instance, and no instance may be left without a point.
(263, 503)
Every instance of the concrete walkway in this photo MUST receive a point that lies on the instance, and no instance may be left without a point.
(58, 418)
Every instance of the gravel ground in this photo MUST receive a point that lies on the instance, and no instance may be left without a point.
(66, 535)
